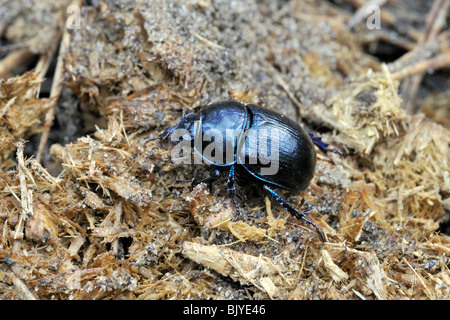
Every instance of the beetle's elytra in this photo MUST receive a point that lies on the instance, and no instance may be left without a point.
(258, 144)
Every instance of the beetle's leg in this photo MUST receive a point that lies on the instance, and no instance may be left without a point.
(232, 191)
(323, 146)
(301, 215)
(209, 180)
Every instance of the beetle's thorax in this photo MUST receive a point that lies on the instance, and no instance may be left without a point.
(219, 129)
(270, 147)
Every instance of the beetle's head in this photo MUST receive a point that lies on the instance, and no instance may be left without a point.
(185, 129)
(187, 122)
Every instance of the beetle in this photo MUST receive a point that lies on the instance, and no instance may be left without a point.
(238, 138)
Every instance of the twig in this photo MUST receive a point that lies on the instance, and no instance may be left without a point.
(387, 36)
(433, 23)
(14, 59)
(26, 196)
(421, 53)
(118, 209)
(291, 96)
(56, 88)
(23, 289)
(440, 61)
(435, 20)
(54, 93)
(303, 263)
(420, 278)
(208, 42)
(7, 106)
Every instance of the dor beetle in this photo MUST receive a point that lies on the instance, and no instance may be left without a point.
(254, 143)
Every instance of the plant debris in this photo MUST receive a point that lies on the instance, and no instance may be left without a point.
(110, 216)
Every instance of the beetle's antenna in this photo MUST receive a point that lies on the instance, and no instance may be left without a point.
(163, 135)
(294, 212)
(167, 133)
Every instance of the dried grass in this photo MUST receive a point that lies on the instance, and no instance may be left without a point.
(122, 222)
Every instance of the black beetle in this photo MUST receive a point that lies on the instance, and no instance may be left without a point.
(238, 140)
